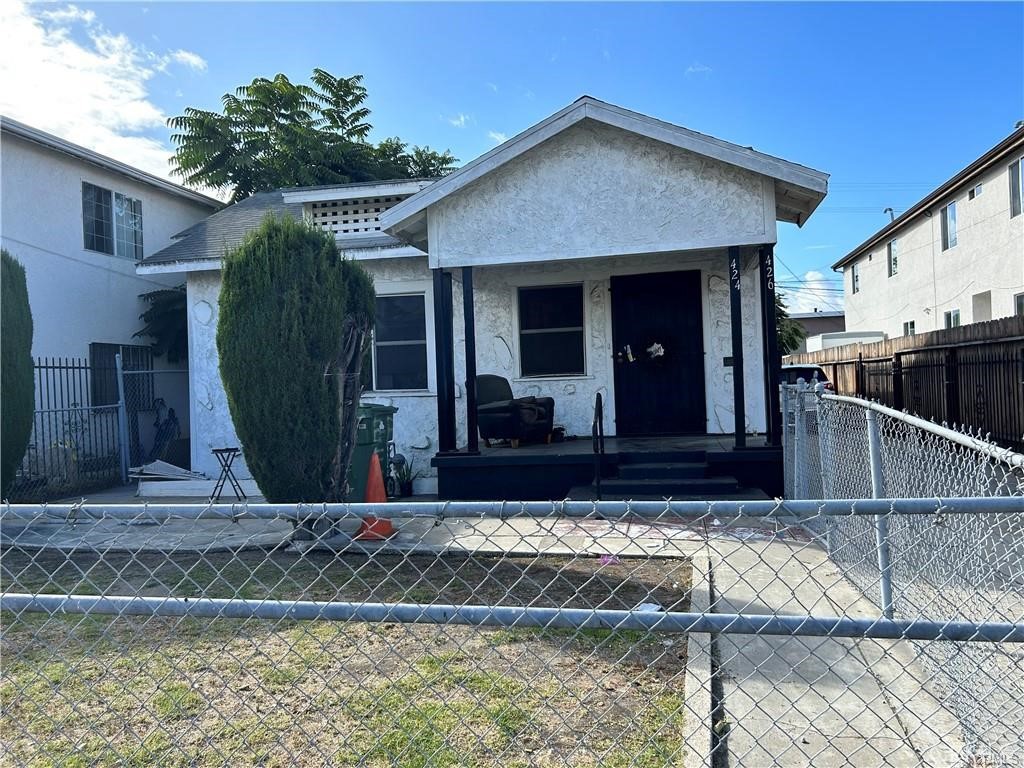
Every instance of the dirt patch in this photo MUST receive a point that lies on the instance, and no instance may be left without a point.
(88, 690)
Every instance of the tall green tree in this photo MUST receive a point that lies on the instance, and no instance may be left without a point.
(17, 390)
(790, 332)
(276, 133)
(294, 322)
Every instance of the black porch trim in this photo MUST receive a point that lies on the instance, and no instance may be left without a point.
(473, 435)
(770, 346)
(736, 320)
(444, 357)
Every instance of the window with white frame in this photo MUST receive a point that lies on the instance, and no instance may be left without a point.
(400, 343)
(892, 256)
(111, 222)
(974, 191)
(1016, 186)
(1018, 304)
(948, 220)
(855, 277)
(952, 318)
(909, 328)
(551, 338)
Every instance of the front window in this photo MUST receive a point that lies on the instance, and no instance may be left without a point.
(400, 343)
(949, 226)
(111, 222)
(909, 328)
(551, 340)
(855, 277)
(1016, 186)
(893, 258)
(952, 318)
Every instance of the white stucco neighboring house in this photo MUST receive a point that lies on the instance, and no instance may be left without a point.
(575, 248)
(954, 257)
(78, 222)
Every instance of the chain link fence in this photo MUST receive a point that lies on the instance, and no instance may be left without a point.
(935, 566)
(516, 633)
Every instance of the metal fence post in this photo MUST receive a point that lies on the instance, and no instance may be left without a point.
(881, 521)
(122, 419)
(799, 442)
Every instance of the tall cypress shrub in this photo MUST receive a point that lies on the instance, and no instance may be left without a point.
(17, 395)
(294, 319)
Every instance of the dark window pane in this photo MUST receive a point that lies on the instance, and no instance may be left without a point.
(559, 306)
(401, 318)
(402, 366)
(1015, 188)
(97, 218)
(552, 354)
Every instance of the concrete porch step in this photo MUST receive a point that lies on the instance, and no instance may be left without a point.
(666, 470)
(692, 486)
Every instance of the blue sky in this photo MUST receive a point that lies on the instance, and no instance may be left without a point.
(890, 99)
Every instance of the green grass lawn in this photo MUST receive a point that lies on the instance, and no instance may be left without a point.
(95, 690)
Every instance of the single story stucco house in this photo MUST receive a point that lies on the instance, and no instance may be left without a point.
(573, 248)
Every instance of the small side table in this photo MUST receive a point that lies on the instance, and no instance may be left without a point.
(225, 457)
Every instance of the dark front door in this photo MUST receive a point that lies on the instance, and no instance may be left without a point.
(658, 339)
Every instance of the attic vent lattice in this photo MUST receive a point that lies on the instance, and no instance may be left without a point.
(354, 217)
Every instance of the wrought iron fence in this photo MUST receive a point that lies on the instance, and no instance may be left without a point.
(508, 633)
(935, 566)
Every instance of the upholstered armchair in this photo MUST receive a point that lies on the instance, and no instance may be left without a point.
(502, 417)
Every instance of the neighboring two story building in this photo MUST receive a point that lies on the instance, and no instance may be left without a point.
(79, 222)
(955, 257)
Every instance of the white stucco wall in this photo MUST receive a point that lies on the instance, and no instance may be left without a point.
(593, 190)
(497, 348)
(79, 296)
(988, 256)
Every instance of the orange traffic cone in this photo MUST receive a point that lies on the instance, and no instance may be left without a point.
(375, 528)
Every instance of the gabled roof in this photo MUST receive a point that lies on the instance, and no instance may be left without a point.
(1011, 144)
(57, 144)
(212, 237)
(798, 189)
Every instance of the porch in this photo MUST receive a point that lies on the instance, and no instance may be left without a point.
(690, 466)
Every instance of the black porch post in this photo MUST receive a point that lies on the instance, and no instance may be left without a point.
(770, 345)
(473, 436)
(444, 361)
(736, 319)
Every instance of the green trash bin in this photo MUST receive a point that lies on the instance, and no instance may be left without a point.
(375, 432)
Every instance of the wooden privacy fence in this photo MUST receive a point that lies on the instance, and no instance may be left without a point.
(972, 375)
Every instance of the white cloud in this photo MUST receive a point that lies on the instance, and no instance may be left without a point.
(815, 292)
(189, 59)
(460, 120)
(90, 89)
(818, 247)
(497, 137)
(606, 54)
(492, 86)
(698, 69)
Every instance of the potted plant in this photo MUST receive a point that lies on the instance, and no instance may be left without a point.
(404, 474)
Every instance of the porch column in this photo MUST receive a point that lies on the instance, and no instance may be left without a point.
(736, 318)
(444, 361)
(473, 436)
(770, 346)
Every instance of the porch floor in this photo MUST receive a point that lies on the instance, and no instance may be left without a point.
(687, 466)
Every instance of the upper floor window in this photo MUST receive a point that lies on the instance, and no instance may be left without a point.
(892, 257)
(400, 343)
(111, 222)
(855, 277)
(949, 226)
(952, 318)
(909, 328)
(1016, 186)
(551, 340)
(974, 192)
